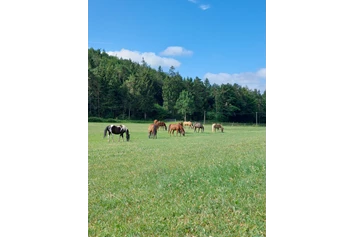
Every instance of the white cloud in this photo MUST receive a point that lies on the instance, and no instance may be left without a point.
(176, 51)
(253, 80)
(151, 58)
(201, 6)
(204, 7)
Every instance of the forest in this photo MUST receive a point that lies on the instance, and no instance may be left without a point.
(126, 90)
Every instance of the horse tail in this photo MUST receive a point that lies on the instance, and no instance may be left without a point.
(127, 135)
(169, 128)
(105, 131)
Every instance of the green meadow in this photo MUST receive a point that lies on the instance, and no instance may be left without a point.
(200, 184)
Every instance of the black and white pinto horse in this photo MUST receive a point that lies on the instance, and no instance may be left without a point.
(113, 129)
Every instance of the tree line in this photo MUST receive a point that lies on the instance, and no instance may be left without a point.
(123, 89)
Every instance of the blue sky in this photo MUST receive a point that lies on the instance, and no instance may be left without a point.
(223, 41)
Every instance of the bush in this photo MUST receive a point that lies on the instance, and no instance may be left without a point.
(95, 119)
(111, 120)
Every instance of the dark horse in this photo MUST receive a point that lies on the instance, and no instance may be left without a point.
(120, 129)
(153, 130)
(199, 126)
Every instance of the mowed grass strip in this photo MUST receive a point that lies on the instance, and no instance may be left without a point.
(201, 184)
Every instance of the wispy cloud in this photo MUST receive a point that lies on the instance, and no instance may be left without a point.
(201, 6)
(176, 51)
(253, 80)
(149, 57)
(204, 7)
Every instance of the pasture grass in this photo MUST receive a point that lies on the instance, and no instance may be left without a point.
(203, 184)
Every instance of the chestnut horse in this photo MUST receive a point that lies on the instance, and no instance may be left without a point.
(188, 124)
(176, 127)
(217, 126)
(153, 130)
(161, 124)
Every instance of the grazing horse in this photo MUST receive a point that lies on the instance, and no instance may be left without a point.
(120, 129)
(188, 124)
(161, 124)
(153, 130)
(217, 126)
(176, 127)
(199, 126)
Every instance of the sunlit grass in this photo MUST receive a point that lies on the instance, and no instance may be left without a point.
(203, 184)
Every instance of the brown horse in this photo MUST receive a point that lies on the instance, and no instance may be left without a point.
(176, 127)
(188, 124)
(161, 124)
(153, 130)
(199, 126)
(217, 126)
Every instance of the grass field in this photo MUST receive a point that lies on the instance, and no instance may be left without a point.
(203, 184)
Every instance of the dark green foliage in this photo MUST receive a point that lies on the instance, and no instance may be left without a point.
(95, 119)
(122, 89)
(159, 112)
